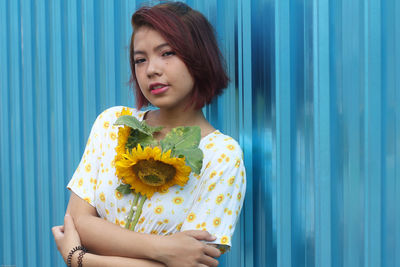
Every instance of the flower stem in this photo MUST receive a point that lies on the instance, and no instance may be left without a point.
(138, 212)
(134, 203)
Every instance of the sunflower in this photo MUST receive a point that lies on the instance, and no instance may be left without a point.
(149, 170)
(123, 135)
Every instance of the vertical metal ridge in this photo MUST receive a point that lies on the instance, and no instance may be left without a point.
(29, 147)
(322, 122)
(283, 133)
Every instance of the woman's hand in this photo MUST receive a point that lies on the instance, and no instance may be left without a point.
(66, 236)
(186, 249)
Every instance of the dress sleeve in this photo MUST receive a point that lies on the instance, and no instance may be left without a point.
(223, 184)
(83, 182)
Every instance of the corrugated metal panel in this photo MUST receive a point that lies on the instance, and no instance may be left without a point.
(313, 100)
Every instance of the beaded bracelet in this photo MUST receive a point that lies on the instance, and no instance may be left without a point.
(80, 257)
(72, 252)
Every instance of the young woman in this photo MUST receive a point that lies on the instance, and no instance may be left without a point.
(176, 66)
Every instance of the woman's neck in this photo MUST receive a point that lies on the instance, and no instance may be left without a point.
(173, 118)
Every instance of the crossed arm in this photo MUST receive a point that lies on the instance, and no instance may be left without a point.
(110, 244)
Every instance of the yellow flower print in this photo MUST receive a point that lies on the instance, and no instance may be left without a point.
(211, 187)
(80, 183)
(191, 217)
(203, 224)
(118, 194)
(230, 147)
(123, 209)
(159, 209)
(122, 223)
(178, 200)
(210, 145)
(166, 221)
(179, 226)
(159, 222)
(239, 196)
(237, 163)
(88, 168)
(208, 164)
(141, 220)
(231, 180)
(107, 211)
(219, 160)
(118, 210)
(227, 159)
(229, 212)
(116, 221)
(219, 199)
(109, 182)
(113, 136)
(224, 240)
(213, 173)
(217, 221)
(106, 124)
(154, 232)
(198, 226)
(87, 199)
(164, 231)
(223, 155)
(102, 197)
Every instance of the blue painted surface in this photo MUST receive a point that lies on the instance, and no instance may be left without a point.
(313, 100)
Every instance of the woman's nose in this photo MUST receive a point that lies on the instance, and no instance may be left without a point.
(153, 68)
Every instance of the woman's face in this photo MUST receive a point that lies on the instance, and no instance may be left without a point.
(162, 76)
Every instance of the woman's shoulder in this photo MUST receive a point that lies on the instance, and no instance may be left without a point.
(218, 143)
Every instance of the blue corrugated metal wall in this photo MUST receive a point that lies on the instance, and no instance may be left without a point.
(313, 100)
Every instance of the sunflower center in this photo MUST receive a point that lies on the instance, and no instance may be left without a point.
(153, 172)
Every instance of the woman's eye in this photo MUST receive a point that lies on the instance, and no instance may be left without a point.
(168, 53)
(139, 60)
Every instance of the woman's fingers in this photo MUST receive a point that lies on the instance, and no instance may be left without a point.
(208, 261)
(58, 231)
(212, 251)
(200, 235)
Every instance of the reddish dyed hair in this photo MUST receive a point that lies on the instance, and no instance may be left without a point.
(192, 38)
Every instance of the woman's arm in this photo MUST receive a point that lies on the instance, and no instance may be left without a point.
(67, 237)
(105, 238)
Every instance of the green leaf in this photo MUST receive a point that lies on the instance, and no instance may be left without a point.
(132, 122)
(137, 137)
(193, 158)
(151, 129)
(181, 138)
(135, 124)
(124, 189)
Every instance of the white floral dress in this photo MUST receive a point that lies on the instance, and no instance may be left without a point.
(210, 201)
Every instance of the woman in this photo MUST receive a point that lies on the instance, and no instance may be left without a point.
(176, 66)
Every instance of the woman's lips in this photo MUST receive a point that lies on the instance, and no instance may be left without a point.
(159, 90)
